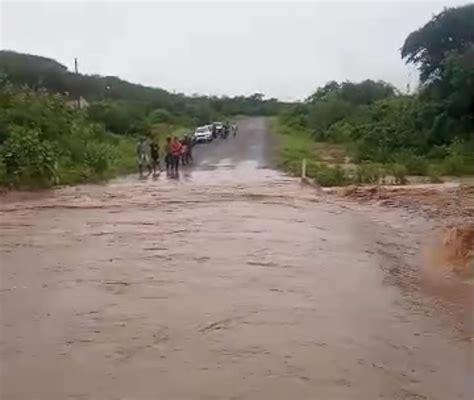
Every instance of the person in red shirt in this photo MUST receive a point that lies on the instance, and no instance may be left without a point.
(175, 148)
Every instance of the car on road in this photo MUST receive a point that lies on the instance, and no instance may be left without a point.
(219, 127)
(203, 134)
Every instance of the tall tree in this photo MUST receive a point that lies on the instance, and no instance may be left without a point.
(450, 31)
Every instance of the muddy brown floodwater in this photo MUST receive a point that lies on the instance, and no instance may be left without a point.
(232, 282)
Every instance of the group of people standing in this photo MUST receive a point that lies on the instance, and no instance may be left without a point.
(177, 151)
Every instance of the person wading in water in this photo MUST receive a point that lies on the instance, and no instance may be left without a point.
(143, 156)
(168, 156)
(175, 148)
(155, 156)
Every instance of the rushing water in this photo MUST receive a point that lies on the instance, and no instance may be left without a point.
(232, 282)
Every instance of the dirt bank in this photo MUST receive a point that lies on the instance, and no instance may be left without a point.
(449, 206)
(436, 200)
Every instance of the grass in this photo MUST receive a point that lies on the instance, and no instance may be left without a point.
(330, 164)
(322, 159)
(121, 160)
(332, 153)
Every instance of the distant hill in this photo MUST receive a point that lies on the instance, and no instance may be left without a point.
(11, 61)
(41, 72)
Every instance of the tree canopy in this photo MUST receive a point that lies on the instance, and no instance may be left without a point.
(428, 46)
(365, 92)
(378, 124)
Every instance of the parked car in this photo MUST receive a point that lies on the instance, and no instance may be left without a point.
(219, 128)
(203, 134)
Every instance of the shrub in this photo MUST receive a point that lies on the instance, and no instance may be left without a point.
(160, 116)
(458, 165)
(332, 176)
(437, 152)
(434, 174)
(399, 172)
(415, 165)
(340, 132)
(3, 172)
(98, 157)
(27, 159)
(119, 116)
(370, 173)
(44, 142)
(326, 175)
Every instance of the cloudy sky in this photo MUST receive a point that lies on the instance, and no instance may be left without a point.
(282, 49)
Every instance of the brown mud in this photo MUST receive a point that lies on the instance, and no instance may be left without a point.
(232, 281)
(437, 201)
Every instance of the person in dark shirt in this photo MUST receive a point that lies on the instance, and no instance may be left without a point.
(155, 156)
(169, 156)
(189, 152)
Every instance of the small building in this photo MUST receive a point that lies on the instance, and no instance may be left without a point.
(78, 103)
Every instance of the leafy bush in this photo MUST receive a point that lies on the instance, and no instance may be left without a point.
(415, 165)
(370, 173)
(434, 174)
(27, 159)
(437, 152)
(298, 145)
(119, 116)
(44, 142)
(340, 132)
(399, 172)
(295, 116)
(460, 159)
(159, 116)
(98, 157)
(323, 114)
(458, 165)
(330, 176)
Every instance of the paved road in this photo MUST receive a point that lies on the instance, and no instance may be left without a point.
(252, 145)
(232, 282)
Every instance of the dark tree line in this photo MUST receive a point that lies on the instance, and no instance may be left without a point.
(134, 100)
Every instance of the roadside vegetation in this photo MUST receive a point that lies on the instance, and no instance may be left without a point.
(46, 140)
(364, 132)
(381, 135)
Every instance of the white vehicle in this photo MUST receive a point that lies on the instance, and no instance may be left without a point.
(219, 127)
(203, 134)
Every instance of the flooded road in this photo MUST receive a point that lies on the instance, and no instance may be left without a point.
(232, 282)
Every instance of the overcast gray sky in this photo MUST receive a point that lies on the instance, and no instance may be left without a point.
(284, 50)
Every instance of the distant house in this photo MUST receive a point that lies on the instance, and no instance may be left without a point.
(78, 103)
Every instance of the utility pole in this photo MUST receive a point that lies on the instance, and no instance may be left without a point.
(76, 70)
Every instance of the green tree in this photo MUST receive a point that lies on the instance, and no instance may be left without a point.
(44, 142)
(427, 47)
(160, 116)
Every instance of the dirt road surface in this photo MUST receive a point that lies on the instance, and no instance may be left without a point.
(233, 282)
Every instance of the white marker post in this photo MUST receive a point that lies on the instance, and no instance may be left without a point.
(303, 169)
